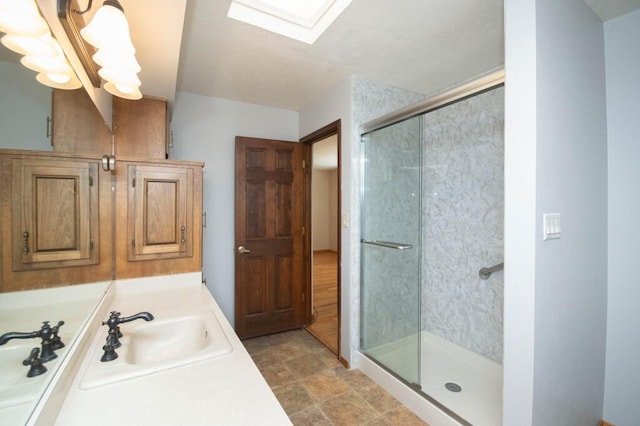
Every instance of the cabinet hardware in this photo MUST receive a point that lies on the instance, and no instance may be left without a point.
(25, 242)
(133, 242)
(108, 162)
(133, 182)
(49, 129)
(183, 230)
(204, 220)
(90, 180)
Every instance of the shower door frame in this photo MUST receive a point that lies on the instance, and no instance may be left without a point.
(479, 85)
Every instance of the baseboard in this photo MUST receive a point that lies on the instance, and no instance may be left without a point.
(344, 362)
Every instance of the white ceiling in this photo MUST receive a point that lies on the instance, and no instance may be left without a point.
(419, 45)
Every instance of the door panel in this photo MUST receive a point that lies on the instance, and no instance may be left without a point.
(56, 220)
(270, 283)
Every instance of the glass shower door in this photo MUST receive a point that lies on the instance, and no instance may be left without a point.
(390, 248)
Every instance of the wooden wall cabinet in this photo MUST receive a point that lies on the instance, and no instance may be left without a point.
(54, 213)
(76, 125)
(65, 221)
(160, 207)
(141, 128)
(56, 227)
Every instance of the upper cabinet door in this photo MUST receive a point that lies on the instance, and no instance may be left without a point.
(54, 214)
(160, 212)
(158, 219)
(140, 128)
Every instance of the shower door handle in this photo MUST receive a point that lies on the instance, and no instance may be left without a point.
(243, 250)
(387, 244)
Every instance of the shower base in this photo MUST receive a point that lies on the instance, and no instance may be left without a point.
(479, 401)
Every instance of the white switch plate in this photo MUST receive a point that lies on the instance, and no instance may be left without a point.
(551, 226)
(345, 220)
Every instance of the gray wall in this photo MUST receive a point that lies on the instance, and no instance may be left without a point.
(622, 384)
(555, 162)
(204, 129)
(24, 107)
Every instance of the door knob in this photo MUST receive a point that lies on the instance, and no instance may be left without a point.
(243, 250)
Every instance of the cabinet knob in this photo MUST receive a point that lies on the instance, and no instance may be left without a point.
(183, 231)
(108, 163)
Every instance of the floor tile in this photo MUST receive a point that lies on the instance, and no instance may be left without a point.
(324, 385)
(315, 389)
(348, 409)
(293, 397)
(312, 416)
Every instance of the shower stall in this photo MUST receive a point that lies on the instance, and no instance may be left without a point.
(432, 205)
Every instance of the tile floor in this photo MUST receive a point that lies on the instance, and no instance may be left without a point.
(315, 389)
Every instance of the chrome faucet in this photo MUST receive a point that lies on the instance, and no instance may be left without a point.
(48, 334)
(113, 338)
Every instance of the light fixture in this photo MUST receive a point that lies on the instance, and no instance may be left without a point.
(104, 43)
(301, 20)
(27, 33)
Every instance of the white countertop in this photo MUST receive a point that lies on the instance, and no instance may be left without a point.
(226, 389)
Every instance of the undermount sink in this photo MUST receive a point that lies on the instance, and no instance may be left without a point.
(169, 341)
(162, 341)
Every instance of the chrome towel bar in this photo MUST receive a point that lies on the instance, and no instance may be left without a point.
(485, 273)
(387, 244)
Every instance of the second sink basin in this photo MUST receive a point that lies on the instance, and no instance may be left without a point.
(169, 341)
(161, 341)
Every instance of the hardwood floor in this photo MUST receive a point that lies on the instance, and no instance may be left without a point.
(325, 299)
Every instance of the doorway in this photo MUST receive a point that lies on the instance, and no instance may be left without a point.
(322, 243)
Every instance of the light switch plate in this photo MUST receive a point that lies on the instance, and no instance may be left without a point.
(551, 226)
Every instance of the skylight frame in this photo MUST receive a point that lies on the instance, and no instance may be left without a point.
(266, 15)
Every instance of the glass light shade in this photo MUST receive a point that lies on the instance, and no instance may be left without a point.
(109, 30)
(56, 81)
(111, 60)
(27, 46)
(118, 77)
(21, 18)
(46, 64)
(132, 93)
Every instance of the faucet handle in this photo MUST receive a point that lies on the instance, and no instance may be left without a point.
(110, 347)
(56, 342)
(35, 362)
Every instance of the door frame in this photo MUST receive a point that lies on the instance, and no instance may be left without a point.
(334, 128)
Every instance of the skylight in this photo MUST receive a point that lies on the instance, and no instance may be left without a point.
(301, 20)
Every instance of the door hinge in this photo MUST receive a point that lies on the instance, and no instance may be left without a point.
(90, 180)
(91, 245)
(133, 182)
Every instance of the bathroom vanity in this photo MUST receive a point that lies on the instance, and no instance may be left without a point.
(185, 366)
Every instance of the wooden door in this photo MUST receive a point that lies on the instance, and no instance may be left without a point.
(271, 290)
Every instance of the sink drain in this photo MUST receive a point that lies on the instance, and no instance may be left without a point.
(453, 387)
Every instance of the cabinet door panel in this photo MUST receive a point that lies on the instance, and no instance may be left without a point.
(55, 215)
(160, 212)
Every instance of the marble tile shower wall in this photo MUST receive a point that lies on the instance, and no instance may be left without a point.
(463, 205)
(391, 296)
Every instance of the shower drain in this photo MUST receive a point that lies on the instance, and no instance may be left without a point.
(453, 387)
